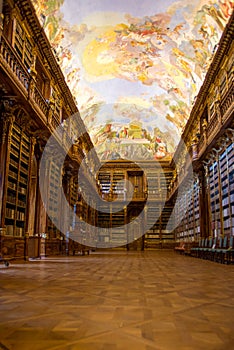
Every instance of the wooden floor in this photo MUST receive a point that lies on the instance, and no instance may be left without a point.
(117, 301)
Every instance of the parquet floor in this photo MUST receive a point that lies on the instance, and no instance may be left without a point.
(152, 300)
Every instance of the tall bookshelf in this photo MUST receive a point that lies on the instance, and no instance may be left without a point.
(118, 228)
(230, 155)
(53, 200)
(73, 192)
(158, 216)
(153, 184)
(167, 235)
(104, 224)
(111, 223)
(215, 199)
(153, 235)
(227, 181)
(221, 178)
(187, 214)
(118, 185)
(22, 44)
(164, 180)
(104, 179)
(17, 182)
(196, 211)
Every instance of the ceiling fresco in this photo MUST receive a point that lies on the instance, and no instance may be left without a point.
(134, 67)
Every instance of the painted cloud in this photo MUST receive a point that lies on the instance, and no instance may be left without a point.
(134, 74)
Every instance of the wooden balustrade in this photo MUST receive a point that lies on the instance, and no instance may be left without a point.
(226, 102)
(213, 127)
(13, 62)
(14, 65)
(40, 101)
(122, 196)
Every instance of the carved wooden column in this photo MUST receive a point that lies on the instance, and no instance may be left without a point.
(208, 202)
(126, 226)
(204, 130)
(50, 111)
(203, 203)
(26, 246)
(6, 123)
(32, 83)
(195, 179)
(218, 111)
(66, 188)
(194, 147)
(1, 18)
(220, 196)
(30, 214)
(40, 211)
(143, 225)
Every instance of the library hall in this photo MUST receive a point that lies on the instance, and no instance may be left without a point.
(116, 175)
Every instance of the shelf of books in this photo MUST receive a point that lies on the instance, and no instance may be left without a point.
(215, 199)
(221, 177)
(161, 231)
(104, 225)
(118, 228)
(153, 234)
(118, 185)
(73, 192)
(230, 154)
(178, 217)
(111, 224)
(157, 183)
(53, 200)
(186, 214)
(165, 179)
(167, 235)
(104, 179)
(73, 198)
(17, 182)
(196, 211)
(153, 184)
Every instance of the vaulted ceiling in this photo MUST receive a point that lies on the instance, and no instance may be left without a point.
(134, 67)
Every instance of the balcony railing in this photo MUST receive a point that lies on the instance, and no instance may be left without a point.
(11, 59)
(40, 101)
(12, 62)
(122, 196)
(227, 102)
(213, 126)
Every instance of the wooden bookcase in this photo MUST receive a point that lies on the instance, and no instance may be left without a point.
(167, 235)
(153, 235)
(118, 228)
(220, 201)
(53, 200)
(187, 214)
(104, 179)
(17, 182)
(118, 185)
(221, 179)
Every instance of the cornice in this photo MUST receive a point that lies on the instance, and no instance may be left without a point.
(222, 49)
(28, 13)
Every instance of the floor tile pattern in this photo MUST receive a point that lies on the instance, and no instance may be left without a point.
(152, 300)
